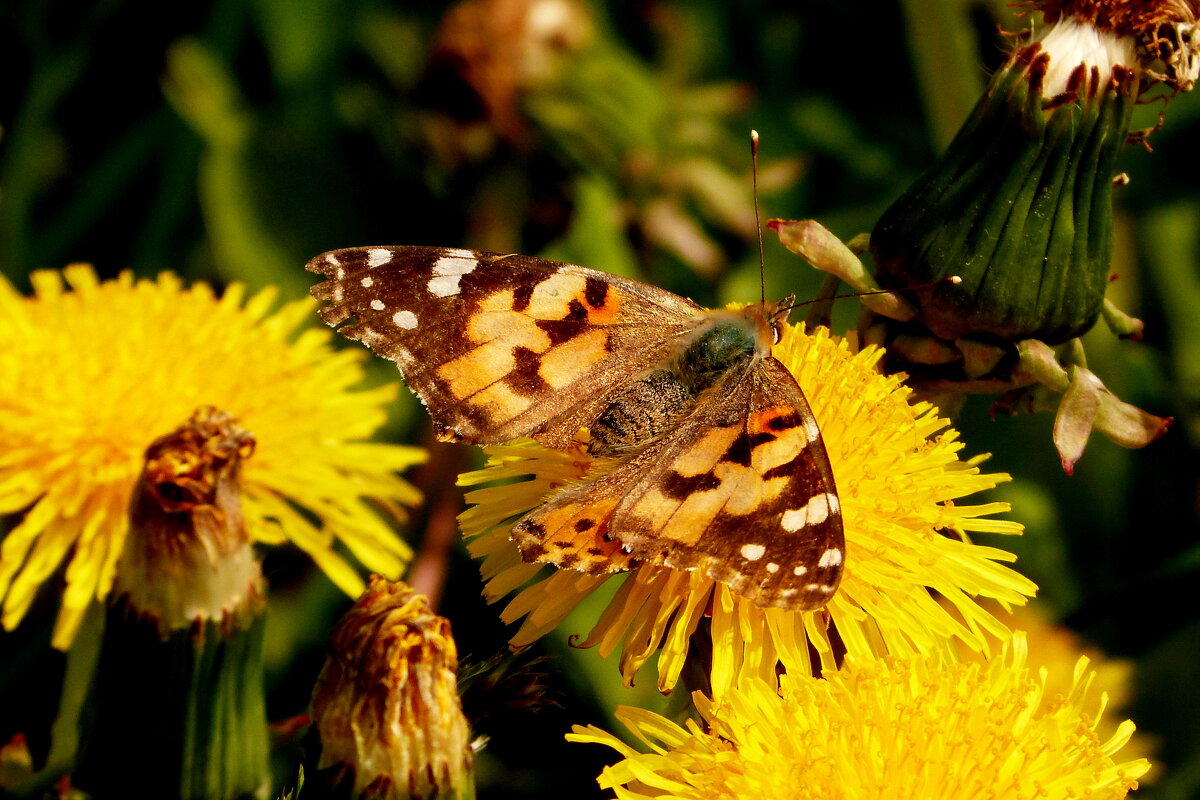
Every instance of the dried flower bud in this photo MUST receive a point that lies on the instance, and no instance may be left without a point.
(188, 556)
(386, 705)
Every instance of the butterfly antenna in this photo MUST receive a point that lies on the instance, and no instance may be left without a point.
(762, 270)
(952, 279)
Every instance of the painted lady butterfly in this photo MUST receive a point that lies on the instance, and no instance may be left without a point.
(721, 466)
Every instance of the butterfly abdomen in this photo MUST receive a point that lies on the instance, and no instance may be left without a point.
(642, 412)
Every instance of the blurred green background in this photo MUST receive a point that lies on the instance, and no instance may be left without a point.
(235, 140)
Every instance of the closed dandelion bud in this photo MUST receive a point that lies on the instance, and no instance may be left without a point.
(179, 699)
(386, 707)
(1020, 205)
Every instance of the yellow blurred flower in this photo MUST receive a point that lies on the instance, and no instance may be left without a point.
(95, 374)
(895, 728)
(898, 476)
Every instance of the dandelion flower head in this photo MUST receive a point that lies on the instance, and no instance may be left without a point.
(96, 372)
(896, 728)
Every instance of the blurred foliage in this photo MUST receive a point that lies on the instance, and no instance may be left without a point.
(234, 141)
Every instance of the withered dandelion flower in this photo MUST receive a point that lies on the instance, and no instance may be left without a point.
(179, 681)
(386, 706)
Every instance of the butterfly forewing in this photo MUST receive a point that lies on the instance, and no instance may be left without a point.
(500, 346)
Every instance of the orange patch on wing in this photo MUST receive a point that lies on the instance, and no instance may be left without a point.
(499, 401)
(702, 457)
(680, 521)
(791, 437)
(609, 309)
(573, 536)
(477, 369)
(551, 298)
(495, 319)
(571, 359)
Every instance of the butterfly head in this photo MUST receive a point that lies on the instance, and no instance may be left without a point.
(778, 315)
(767, 320)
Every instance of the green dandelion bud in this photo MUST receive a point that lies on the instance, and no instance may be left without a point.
(1020, 204)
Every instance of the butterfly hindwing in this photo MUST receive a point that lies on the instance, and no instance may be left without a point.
(500, 346)
(741, 491)
(746, 494)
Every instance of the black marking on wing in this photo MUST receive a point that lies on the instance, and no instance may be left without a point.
(679, 487)
(522, 294)
(785, 422)
(525, 379)
(596, 293)
(742, 449)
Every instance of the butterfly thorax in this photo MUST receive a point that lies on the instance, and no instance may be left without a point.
(722, 347)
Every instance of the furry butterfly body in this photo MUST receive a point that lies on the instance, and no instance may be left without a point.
(719, 465)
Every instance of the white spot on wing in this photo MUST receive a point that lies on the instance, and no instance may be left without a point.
(368, 282)
(753, 552)
(830, 558)
(456, 264)
(404, 361)
(338, 294)
(799, 570)
(378, 257)
(772, 567)
(814, 512)
(449, 269)
(443, 285)
(341, 273)
(377, 304)
(794, 519)
(405, 319)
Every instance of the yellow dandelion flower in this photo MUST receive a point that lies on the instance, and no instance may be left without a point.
(895, 728)
(96, 373)
(1057, 648)
(899, 478)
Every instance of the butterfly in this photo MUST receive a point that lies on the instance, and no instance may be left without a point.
(719, 462)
